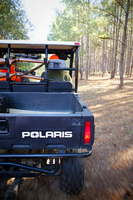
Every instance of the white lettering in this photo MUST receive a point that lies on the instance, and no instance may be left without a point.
(62, 134)
(42, 136)
(25, 134)
(68, 134)
(57, 134)
(49, 134)
(34, 134)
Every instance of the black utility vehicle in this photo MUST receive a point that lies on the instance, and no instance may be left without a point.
(45, 128)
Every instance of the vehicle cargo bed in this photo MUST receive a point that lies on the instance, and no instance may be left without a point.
(39, 103)
(37, 120)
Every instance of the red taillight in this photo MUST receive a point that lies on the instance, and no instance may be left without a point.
(77, 43)
(87, 133)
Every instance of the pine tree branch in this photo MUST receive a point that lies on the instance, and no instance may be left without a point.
(121, 5)
(110, 14)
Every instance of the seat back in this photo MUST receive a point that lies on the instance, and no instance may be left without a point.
(28, 87)
(56, 63)
(59, 86)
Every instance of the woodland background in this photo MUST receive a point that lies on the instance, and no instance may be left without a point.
(104, 28)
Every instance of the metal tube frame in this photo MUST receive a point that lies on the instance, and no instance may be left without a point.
(46, 155)
(45, 62)
(76, 72)
(31, 168)
(8, 53)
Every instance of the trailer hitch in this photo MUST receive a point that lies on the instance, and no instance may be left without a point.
(12, 194)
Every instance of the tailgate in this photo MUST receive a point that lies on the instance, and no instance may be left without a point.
(37, 132)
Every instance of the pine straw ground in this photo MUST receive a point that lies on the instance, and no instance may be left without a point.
(109, 170)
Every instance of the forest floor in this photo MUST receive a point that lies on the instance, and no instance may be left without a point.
(109, 170)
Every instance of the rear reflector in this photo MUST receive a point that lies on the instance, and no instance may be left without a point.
(87, 133)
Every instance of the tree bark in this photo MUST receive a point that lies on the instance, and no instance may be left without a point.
(116, 45)
(131, 68)
(106, 44)
(123, 46)
(81, 60)
(103, 57)
(129, 57)
(112, 68)
(87, 55)
(94, 63)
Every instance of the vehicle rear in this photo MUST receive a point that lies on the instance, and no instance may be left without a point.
(45, 127)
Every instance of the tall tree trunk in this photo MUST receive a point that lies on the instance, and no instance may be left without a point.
(106, 44)
(129, 57)
(81, 60)
(131, 68)
(110, 62)
(89, 64)
(116, 45)
(123, 45)
(87, 44)
(103, 57)
(124, 61)
(112, 68)
(94, 63)
(87, 55)
(129, 53)
(95, 59)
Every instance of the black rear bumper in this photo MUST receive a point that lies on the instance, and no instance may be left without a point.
(48, 155)
(9, 167)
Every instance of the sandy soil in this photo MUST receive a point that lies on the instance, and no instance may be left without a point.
(109, 170)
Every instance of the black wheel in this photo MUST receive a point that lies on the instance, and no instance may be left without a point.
(72, 175)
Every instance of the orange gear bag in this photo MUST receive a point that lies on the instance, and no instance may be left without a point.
(12, 71)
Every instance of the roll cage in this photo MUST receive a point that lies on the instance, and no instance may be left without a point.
(63, 49)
